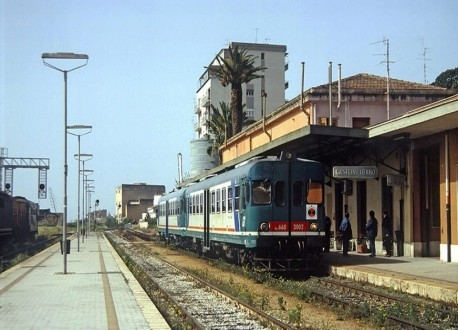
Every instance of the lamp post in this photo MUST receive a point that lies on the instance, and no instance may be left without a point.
(85, 174)
(84, 130)
(90, 189)
(78, 157)
(65, 56)
(82, 173)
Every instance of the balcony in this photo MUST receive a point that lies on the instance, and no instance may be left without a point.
(206, 101)
(197, 110)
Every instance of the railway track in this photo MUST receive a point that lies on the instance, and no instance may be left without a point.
(7, 259)
(401, 311)
(380, 305)
(202, 304)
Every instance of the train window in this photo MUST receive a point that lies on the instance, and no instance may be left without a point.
(298, 193)
(229, 199)
(223, 199)
(201, 203)
(247, 194)
(315, 192)
(236, 197)
(213, 201)
(280, 193)
(243, 196)
(218, 200)
(261, 192)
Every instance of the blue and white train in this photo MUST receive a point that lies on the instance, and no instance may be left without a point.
(266, 212)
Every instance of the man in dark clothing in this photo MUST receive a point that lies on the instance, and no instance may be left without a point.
(386, 234)
(371, 232)
(345, 229)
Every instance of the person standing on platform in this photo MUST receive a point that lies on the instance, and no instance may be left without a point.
(371, 232)
(386, 233)
(345, 230)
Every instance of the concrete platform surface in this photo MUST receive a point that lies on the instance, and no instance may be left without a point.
(97, 291)
(427, 277)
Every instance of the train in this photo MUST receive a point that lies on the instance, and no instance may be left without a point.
(18, 217)
(266, 212)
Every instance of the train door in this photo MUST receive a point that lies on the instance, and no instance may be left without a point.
(281, 210)
(242, 192)
(167, 210)
(206, 239)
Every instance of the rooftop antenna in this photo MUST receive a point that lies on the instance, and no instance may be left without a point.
(423, 55)
(256, 39)
(386, 42)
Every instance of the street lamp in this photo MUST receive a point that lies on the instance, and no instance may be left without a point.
(65, 56)
(78, 157)
(85, 174)
(89, 190)
(82, 173)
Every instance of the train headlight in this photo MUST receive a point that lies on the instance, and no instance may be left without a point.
(314, 226)
(264, 226)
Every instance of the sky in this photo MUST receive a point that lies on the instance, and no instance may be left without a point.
(138, 89)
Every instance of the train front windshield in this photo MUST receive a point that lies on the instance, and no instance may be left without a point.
(314, 192)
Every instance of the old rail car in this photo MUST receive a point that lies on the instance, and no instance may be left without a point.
(266, 212)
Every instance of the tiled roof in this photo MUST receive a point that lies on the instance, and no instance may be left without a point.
(368, 83)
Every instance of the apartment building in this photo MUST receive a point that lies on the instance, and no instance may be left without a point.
(133, 199)
(211, 92)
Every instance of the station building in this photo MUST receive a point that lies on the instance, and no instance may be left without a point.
(409, 137)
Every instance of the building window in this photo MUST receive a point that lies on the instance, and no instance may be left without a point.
(360, 122)
(324, 121)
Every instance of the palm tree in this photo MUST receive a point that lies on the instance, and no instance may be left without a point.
(220, 127)
(236, 70)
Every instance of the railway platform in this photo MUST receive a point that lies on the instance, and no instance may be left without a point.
(97, 291)
(426, 277)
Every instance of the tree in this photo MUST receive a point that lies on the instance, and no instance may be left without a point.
(235, 70)
(220, 127)
(447, 79)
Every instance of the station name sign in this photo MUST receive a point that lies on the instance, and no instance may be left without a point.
(355, 172)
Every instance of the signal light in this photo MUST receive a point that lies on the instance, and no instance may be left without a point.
(41, 186)
(7, 186)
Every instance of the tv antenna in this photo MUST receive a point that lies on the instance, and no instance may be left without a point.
(423, 55)
(386, 42)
